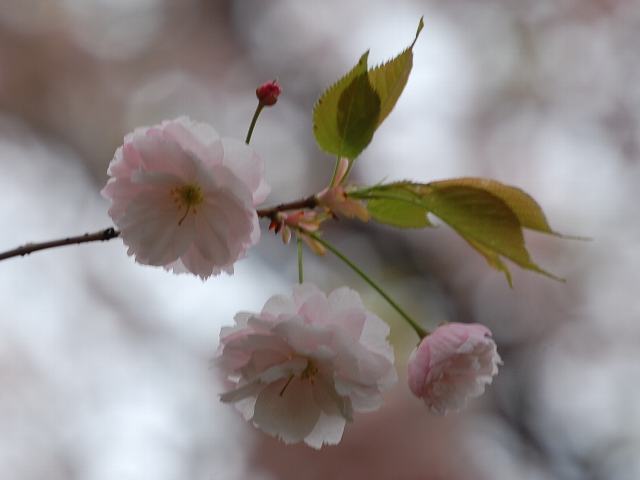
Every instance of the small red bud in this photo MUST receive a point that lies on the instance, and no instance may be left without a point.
(268, 93)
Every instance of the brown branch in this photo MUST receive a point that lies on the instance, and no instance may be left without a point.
(310, 202)
(111, 233)
(102, 235)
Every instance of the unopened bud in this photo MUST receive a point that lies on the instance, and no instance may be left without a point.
(286, 235)
(335, 199)
(268, 93)
(315, 246)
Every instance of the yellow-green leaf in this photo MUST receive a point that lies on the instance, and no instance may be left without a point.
(491, 224)
(346, 115)
(399, 208)
(390, 78)
(483, 219)
(492, 258)
(529, 213)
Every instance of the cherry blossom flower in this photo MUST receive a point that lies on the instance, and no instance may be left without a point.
(452, 364)
(184, 198)
(301, 367)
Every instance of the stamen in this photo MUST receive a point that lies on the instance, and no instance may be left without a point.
(309, 372)
(187, 196)
(184, 216)
(286, 385)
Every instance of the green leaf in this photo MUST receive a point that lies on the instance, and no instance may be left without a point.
(485, 220)
(390, 78)
(399, 208)
(529, 213)
(491, 224)
(492, 258)
(396, 204)
(346, 115)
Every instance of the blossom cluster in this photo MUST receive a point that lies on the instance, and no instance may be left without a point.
(186, 199)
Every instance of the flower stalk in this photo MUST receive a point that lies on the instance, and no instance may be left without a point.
(422, 332)
(300, 262)
(254, 120)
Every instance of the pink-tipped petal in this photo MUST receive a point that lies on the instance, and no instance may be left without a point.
(181, 201)
(247, 165)
(313, 370)
(452, 364)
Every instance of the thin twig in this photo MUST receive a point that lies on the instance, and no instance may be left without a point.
(309, 203)
(419, 329)
(102, 235)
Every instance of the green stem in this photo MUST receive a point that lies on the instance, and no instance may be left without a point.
(419, 330)
(253, 122)
(300, 265)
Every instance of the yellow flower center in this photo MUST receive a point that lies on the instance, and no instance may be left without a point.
(188, 197)
(309, 373)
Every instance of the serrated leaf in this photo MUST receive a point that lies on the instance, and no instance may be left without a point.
(527, 210)
(390, 78)
(486, 221)
(346, 115)
(492, 258)
(358, 112)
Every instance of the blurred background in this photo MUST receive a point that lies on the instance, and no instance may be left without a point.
(104, 364)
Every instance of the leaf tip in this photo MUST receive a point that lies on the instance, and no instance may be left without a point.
(572, 237)
(507, 274)
(420, 27)
(364, 59)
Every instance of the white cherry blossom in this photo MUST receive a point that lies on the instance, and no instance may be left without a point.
(184, 198)
(301, 367)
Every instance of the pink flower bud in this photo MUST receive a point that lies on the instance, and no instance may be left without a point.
(307, 220)
(268, 93)
(452, 364)
(286, 235)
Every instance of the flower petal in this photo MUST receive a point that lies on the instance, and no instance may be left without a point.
(328, 431)
(290, 416)
(247, 166)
